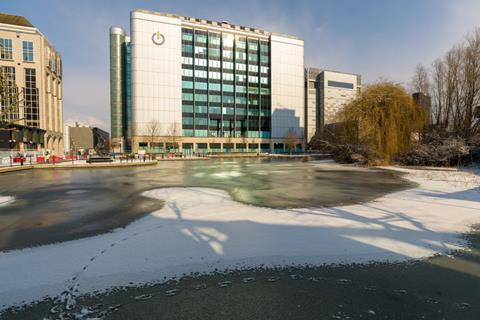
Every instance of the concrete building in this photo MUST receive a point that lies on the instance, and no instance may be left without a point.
(34, 69)
(84, 139)
(201, 85)
(326, 92)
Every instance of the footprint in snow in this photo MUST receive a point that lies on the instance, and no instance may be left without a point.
(463, 305)
(224, 284)
(171, 292)
(248, 279)
(199, 286)
(295, 276)
(143, 297)
(344, 281)
(273, 279)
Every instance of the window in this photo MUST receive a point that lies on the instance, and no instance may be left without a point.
(227, 65)
(187, 120)
(201, 109)
(187, 48)
(200, 50)
(252, 90)
(227, 99)
(187, 108)
(228, 54)
(214, 52)
(264, 80)
(187, 36)
(31, 98)
(215, 110)
(228, 76)
(241, 44)
(240, 55)
(214, 63)
(252, 57)
(201, 97)
(264, 47)
(264, 59)
(253, 68)
(214, 86)
(228, 40)
(187, 132)
(214, 75)
(264, 70)
(187, 60)
(253, 79)
(200, 133)
(240, 78)
(241, 89)
(252, 46)
(241, 67)
(214, 39)
(6, 51)
(201, 38)
(187, 96)
(201, 85)
(200, 74)
(240, 100)
(187, 84)
(201, 62)
(214, 98)
(201, 121)
(27, 51)
(338, 84)
(227, 88)
(187, 72)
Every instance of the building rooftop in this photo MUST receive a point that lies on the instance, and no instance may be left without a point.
(223, 24)
(15, 20)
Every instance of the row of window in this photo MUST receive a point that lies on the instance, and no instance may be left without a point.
(225, 76)
(6, 50)
(225, 110)
(214, 133)
(225, 64)
(200, 97)
(228, 40)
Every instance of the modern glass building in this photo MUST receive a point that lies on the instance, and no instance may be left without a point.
(200, 85)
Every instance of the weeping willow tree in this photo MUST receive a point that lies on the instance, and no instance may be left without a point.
(384, 120)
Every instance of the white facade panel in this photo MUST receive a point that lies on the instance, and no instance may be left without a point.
(287, 86)
(334, 97)
(156, 72)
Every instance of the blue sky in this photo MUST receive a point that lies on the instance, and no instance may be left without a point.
(375, 38)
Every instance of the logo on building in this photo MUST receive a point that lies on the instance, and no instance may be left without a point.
(158, 38)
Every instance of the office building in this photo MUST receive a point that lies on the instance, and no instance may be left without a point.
(32, 69)
(201, 85)
(326, 93)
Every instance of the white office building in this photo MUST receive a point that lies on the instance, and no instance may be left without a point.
(199, 85)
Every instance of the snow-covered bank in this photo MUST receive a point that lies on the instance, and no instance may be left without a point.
(5, 200)
(199, 230)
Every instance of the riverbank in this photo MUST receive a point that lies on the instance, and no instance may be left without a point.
(216, 233)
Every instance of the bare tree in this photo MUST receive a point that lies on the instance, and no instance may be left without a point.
(151, 131)
(174, 133)
(421, 80)
(10, 101)
(292, 139)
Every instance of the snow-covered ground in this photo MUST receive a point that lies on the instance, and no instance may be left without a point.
(5, 200)
(200, 230)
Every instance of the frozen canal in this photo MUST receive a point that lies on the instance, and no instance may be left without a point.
(48, 206)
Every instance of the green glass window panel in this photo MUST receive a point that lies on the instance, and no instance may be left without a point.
(252, 57)
(227, 99)
(212, 39)
(201, 133)
(201, 85)
(264, 47)
(214, 52)
(215, 110)
(187, 48)
(241, 89)
(201, 109)
(201, 97)
(253, 112)
(241, 111)
(214, 86)
(252, 90)
(214, 98)
(253, 101)
(228, 88)
(187, 108)
(253, 134)
(187, 36)
(240, 100)
(187, 120)
(201, 38)
(265, 134)
(227, 54)
(252, 45)
(264, 59)
(264, 113)
(265, 91)
(187, 96)
(240, 55)
(187, 72)
(241, 44)
(201, 121)
(213, 122)
(187, 132)
(229, 111)
(187, 84)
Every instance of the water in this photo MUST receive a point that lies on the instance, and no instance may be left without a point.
(59, 205)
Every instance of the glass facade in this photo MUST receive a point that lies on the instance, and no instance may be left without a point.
(225, 85)
(9, 103)
(128, 94)
(32, 110)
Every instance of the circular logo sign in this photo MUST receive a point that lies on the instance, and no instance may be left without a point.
(158, 38)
